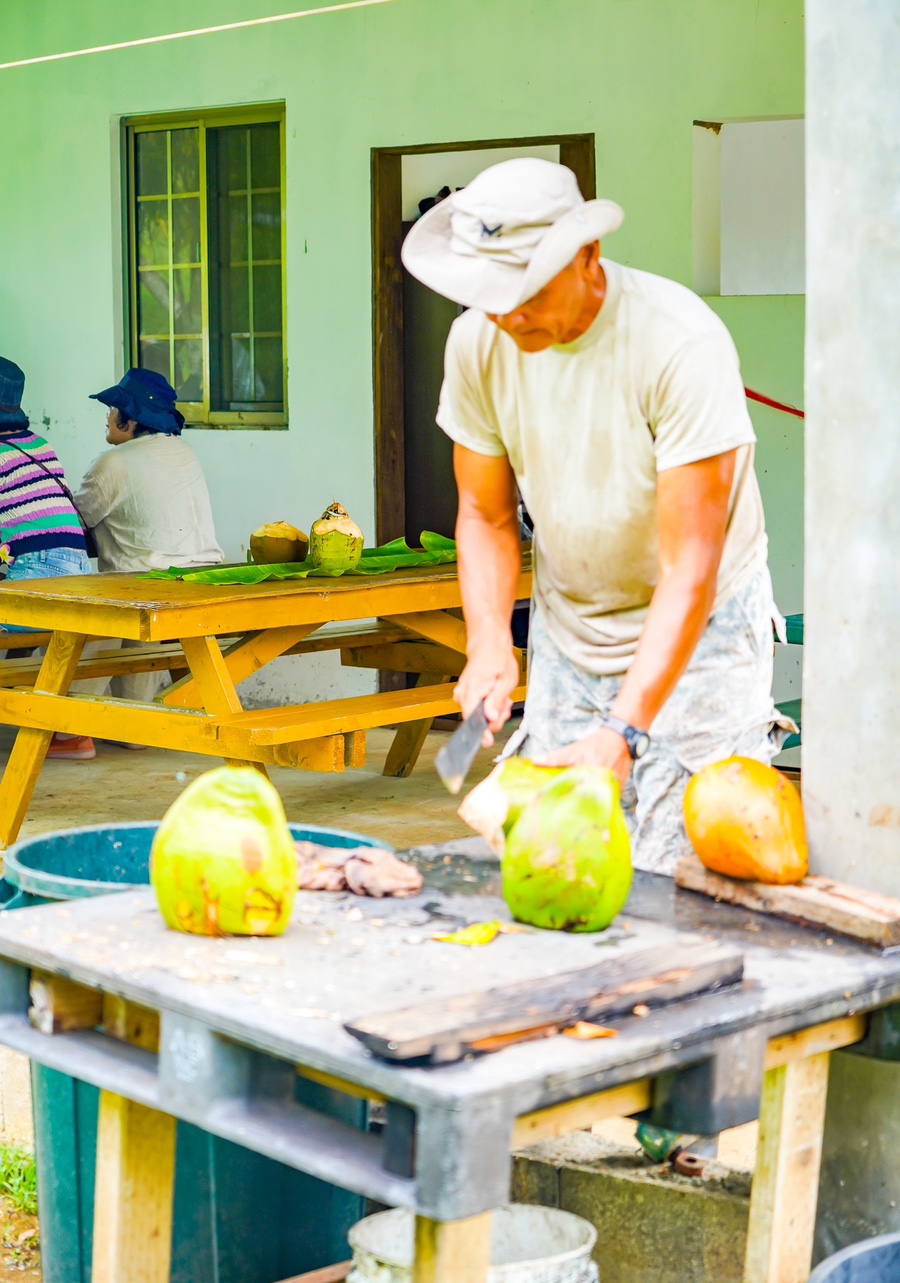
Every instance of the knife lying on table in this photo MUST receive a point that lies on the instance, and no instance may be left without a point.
(455, 758)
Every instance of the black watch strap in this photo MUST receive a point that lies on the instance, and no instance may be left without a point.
(637, 741)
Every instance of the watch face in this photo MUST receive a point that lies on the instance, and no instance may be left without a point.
(640, 744)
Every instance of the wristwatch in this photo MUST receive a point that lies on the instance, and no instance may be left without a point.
(638, 741)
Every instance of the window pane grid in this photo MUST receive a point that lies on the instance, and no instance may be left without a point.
(248, 332)
(169, 270)
(207, 249)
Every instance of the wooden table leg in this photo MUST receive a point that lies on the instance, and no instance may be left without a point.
(30, 748)
(133, 1205)
(242, 659)
(453, 1251)
(133, 1201)
(215, 684)
(410, 737)
(786, 1180)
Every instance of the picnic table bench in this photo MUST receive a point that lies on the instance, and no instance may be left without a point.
(402, 620)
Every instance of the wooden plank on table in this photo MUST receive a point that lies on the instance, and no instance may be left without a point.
(453, 1251)
(59, 1005)
(816, 902)
(786, 1180)
(447, 1029)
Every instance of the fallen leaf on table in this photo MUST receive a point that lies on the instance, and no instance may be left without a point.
(477, 933)
(583, 1030)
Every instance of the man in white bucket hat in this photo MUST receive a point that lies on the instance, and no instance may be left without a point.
(613, 400)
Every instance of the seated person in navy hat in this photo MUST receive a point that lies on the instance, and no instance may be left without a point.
(146, 500)
(39, 526)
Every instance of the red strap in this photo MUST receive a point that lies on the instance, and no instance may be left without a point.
(775, 405)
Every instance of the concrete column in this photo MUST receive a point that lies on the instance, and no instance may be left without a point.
(851, 668)
(851, 654)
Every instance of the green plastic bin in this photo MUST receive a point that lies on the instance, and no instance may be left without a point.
(239, 1217)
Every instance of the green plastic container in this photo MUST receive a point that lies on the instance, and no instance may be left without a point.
(239, 1217)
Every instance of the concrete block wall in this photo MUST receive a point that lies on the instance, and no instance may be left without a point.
(653, 1226)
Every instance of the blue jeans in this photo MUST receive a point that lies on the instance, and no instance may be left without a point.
(49, 563)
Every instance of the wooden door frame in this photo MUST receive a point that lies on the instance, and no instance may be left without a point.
(575, 150)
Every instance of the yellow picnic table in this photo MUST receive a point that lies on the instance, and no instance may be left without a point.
(177, 625)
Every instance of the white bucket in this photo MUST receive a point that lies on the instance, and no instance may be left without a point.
(530, 1245)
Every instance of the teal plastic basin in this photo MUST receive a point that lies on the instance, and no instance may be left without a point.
(100, 858)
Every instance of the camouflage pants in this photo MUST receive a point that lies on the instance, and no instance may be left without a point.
(722, 706)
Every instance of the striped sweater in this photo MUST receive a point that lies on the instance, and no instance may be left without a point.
(34, 512)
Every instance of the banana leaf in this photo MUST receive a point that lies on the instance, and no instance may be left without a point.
(436, 550)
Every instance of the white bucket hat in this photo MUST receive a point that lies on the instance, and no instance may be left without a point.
(497, 242)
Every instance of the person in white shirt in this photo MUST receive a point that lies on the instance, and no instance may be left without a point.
(146, 500)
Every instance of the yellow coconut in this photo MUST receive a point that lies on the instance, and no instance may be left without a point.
(278, 542)
(336, 541)
(746, 820)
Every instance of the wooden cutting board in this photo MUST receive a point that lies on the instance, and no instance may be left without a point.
(816, 902)
(448, 1029)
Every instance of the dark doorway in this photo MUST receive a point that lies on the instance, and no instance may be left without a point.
(414, 484)
(429, 487)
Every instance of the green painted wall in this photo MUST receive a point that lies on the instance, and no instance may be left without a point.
(635, 72)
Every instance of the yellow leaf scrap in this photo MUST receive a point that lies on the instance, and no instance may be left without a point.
(476, 934)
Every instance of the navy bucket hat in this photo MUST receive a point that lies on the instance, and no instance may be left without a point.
(146, 397)
(12, 385)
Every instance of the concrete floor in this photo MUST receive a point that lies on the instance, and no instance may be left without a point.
(121, 785)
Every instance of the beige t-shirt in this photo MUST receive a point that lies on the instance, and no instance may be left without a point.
(148, 506)
(655, 383)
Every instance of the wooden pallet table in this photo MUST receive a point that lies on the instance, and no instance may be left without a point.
(214, 1031)
(202, 711)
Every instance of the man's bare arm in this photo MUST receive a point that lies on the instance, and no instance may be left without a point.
(692, 514)
(490, 559)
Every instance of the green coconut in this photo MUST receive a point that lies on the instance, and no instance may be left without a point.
(495, 804)
(223, 860)
(567, 855)
(336, 541)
